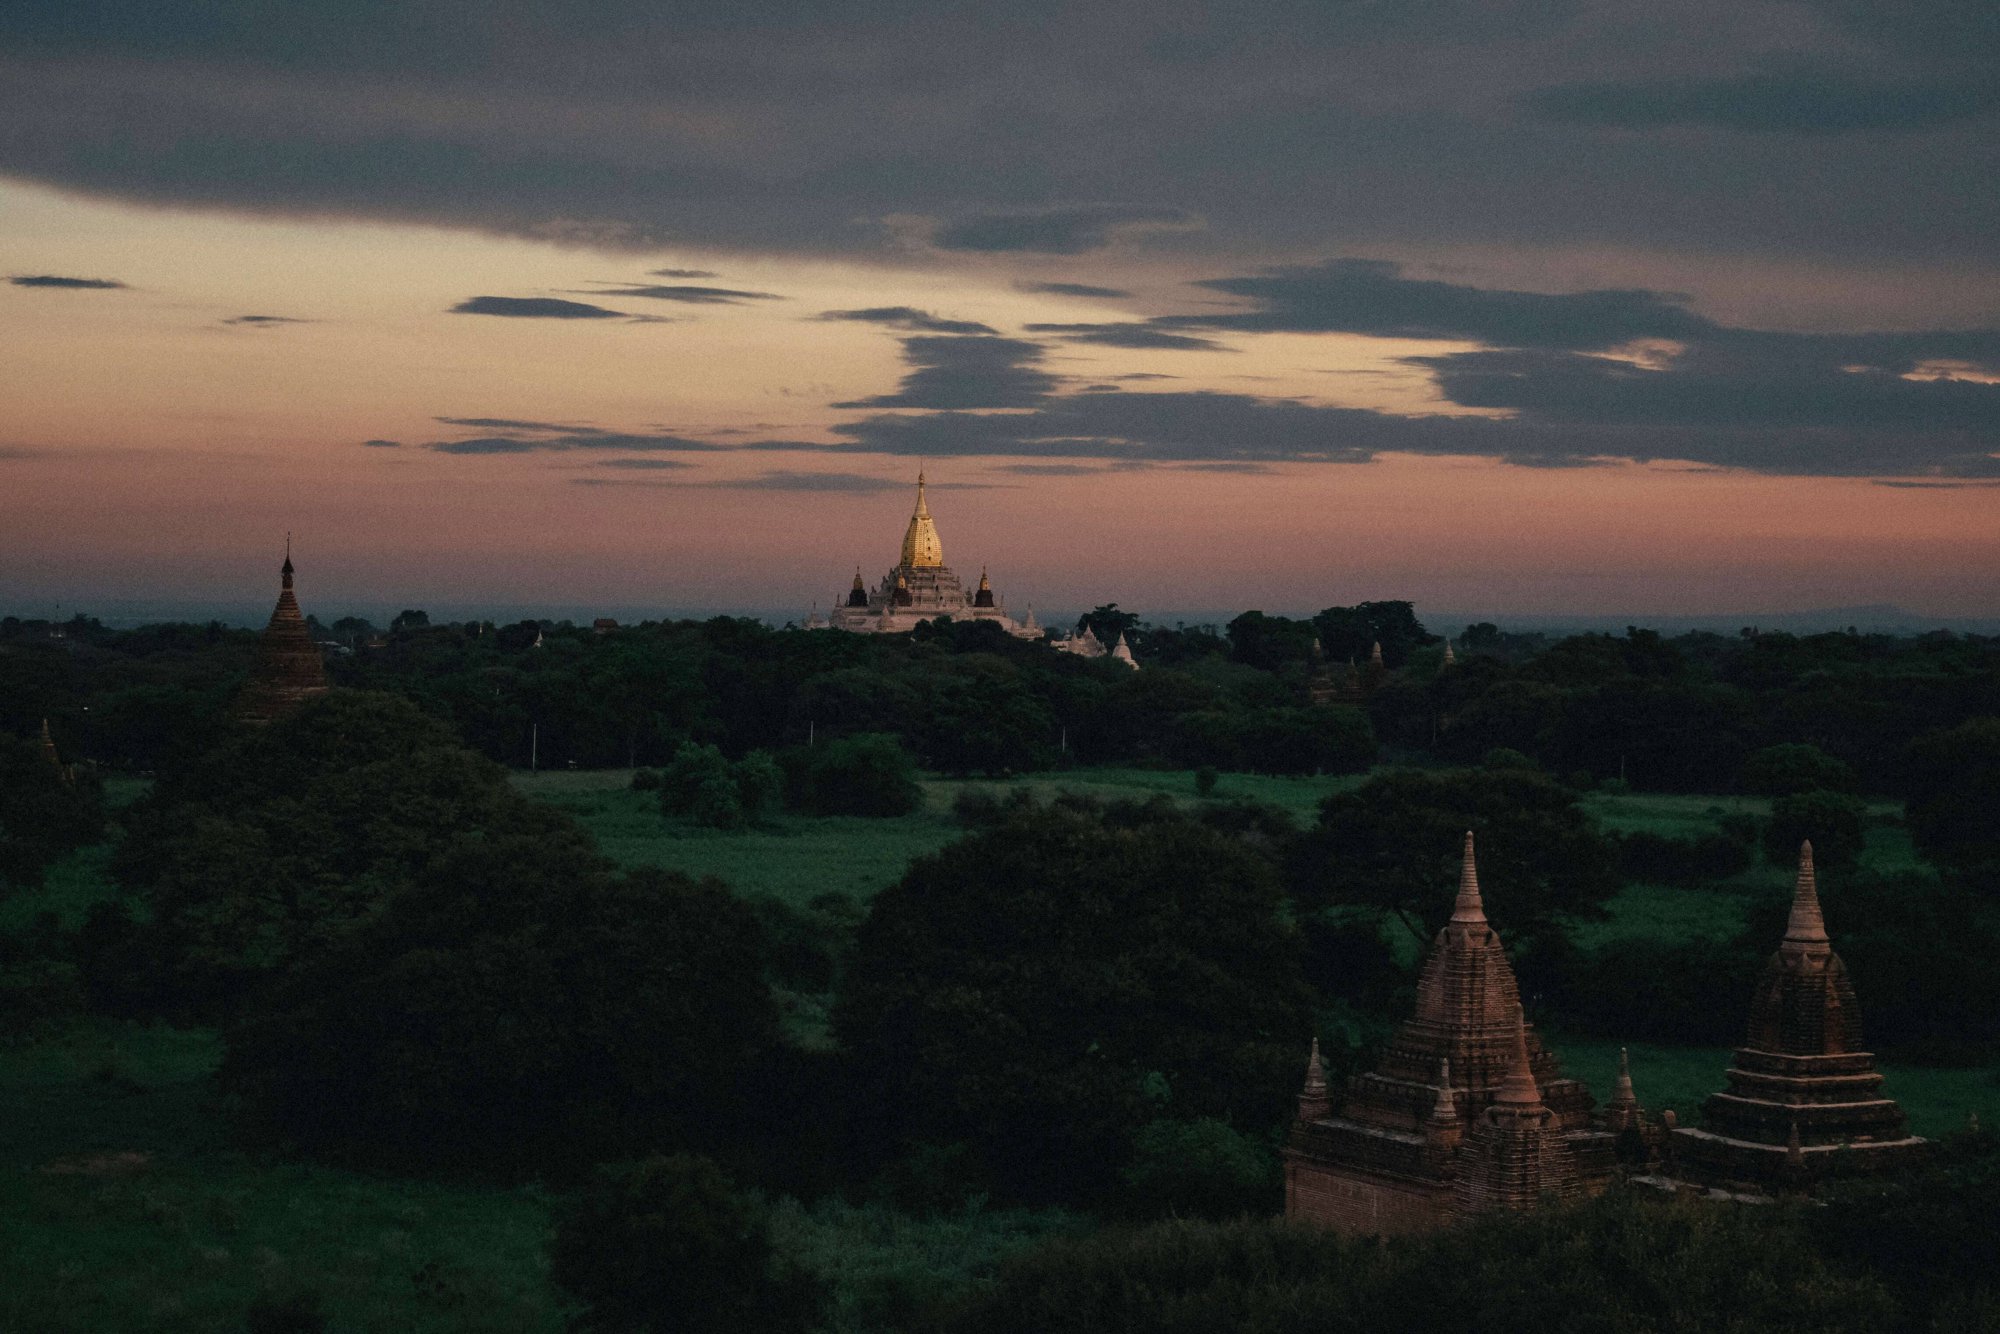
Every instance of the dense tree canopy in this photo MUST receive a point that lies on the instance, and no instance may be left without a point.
(1047, 985)
(46, 810)
(1393, 845)
(511, 1007)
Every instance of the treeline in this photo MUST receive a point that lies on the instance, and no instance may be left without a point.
(1695, 713)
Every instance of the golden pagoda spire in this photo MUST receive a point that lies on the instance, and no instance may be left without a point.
(1519, 1088)
(921, 547)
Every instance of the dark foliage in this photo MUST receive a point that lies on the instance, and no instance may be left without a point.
(45, 812)
(1046, 986)
(1627, 1263)
(665, 1245)
(1951, 780)
(1782, 771)
(512, 1009)
(1834, 822)
(262, 853)
(866, 774)
(1683, 861)
(1393, 845)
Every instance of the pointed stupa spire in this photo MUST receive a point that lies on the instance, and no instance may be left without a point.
(1375, 654)
(921, 547)
(1621, 1091)
(1807, 927)
(49, 751)
(285, 570)
(1469, 909)
(1315, 1099)
(1446, 1107)
(1449, 656)
(1519, 1088)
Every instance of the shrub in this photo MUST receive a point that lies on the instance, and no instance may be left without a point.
(666, 1245)
(1200, 1167)
(1952, 783)
(1500, 757)
(868, 774)
(44, 813)
(1680, 861)
(645, 780)
(1205, 779)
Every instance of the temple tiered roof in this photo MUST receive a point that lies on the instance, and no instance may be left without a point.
(1803, 1099)
(289, 669)
(1389, 1159)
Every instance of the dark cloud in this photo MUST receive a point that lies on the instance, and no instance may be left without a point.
(263, 321)
(683, 273)
(1789, 102)
(1059, 231)
(1074, 289)
(515, 424)
(1129, 335)
(644, 465)
(793, 127)
(1371, 296)
(1568, 387)
(70, 284)
(910, 318)
(955, 373)
(534, 308)
(688, 295)
(558, 444)
(382, 444)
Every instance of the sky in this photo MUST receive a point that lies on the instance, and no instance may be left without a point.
(1517, 307)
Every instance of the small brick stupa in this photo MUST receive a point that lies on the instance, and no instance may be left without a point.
(1466, 1112)
(289, 669)
(1804, 1100)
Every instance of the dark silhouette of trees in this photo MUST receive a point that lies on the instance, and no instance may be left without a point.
(1044, 987)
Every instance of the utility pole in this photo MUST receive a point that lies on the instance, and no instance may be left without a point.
(534, 748)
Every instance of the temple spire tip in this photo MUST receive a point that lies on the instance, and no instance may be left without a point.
(1469, 908)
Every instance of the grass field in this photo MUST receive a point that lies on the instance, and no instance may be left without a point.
(124, 1207)
(797, 857)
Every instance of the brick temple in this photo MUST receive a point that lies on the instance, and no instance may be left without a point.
(289, 669)
(1803, 1100)
(1466, 1112)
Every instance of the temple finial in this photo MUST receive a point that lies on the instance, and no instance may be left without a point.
(1315, 1101)
(285, 570)
(1469, 907)
(1445, 1108)
(1807, 926)
(1375, 654)
(1519, 1089)
(1621, 1091)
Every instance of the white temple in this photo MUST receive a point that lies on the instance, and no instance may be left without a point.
(920, 588)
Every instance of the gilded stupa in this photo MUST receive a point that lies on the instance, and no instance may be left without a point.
(289, 669)
(919, 588)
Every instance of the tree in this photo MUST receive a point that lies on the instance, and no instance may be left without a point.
(45, 812)
(1353, 632)
(665, 1245)
(1107, 623)
(1042, 988)
(1793, 767)
(1834, 822)
(262, 853)
(410, 619)
(1393, 845)
(870, 774)
(511, 1009)
(1951, 780)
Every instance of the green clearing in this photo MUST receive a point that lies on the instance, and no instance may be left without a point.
(798, 857)
(123, 1207)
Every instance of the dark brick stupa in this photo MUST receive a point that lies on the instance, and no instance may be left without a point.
(1804, 1100)
(1467, 1111)
(289, 669)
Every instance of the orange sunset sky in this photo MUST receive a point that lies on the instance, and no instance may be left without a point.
(1183, 315)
